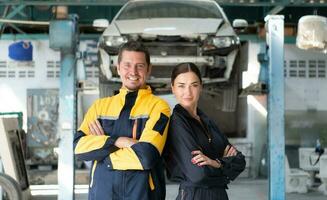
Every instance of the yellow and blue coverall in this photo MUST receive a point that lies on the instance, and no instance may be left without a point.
(125, 173)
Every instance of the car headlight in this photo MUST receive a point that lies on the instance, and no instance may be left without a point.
(115, 41)
(221, 42)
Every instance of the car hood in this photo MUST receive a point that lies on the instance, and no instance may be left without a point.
(168, 27)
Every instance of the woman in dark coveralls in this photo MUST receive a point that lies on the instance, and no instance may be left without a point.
(197, 153)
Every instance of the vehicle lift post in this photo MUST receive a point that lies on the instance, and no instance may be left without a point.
(274, 72)
(64, 37)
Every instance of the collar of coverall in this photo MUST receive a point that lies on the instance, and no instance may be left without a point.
(123, 91)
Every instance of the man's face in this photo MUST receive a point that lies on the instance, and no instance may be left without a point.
(133, 70)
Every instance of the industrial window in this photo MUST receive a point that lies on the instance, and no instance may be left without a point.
(96, 73)
(3, 64)
(14, 69)
(30, 74)
(11, 74)
(321, 68)
(285, 68)
(92, 71)
(302, 69)
(89, 74)
(50, 74)
(22, 74)
(53, 69)
(312, 68)
(293, 68)
(293, 63)
(305, 69)
(3, 74)
(317, 69)
(3, 69)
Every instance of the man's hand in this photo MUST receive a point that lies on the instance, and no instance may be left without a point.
(200, 159)
(230, 151)
(121, 142)
(124, 142)
(96, 128)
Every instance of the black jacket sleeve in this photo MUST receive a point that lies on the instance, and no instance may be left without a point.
(178, 157)
(231, 166)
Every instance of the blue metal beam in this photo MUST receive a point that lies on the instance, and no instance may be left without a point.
(67, 104)
(13, 13)
(63, 2)
(16, 28)
(276, 133)
(43, 36)
(266, 3)
(276, 10)
(20, 13)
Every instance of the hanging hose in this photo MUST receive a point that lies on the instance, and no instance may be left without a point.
(10, 188)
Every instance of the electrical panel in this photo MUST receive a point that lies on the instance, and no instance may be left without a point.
(42, 120)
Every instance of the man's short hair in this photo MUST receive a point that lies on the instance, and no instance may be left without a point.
(134, 46)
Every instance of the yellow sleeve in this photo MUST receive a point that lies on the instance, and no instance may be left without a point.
(144, 154)
(91, 147)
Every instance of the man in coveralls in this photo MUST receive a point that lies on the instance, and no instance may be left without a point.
(124, 135)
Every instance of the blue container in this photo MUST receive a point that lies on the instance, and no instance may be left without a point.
(21, 51)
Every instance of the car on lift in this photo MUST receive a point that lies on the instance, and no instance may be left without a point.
(174, 31)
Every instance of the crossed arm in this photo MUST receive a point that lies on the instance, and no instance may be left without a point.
(200, 159)
(121, 142)
(184, 154)
(124, 153)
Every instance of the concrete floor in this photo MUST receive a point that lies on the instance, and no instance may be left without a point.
(245, 189)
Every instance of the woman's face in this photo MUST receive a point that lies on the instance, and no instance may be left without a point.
(187, 89)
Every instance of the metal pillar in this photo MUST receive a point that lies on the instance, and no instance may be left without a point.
(66, 126)
(276, 135)
(64, 37)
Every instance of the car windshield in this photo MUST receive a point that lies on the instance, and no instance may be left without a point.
(170, 9)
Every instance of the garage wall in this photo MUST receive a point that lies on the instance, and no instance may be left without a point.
(13, 83)
(305, 97)
(42, 73)
(305, 107)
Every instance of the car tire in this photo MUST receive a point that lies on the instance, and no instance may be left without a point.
(230, 93)
(230, 96)
(10, 187)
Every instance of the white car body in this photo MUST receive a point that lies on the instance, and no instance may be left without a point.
(210, 42)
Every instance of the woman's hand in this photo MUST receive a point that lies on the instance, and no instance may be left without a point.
(230, 151)
(200, 159)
